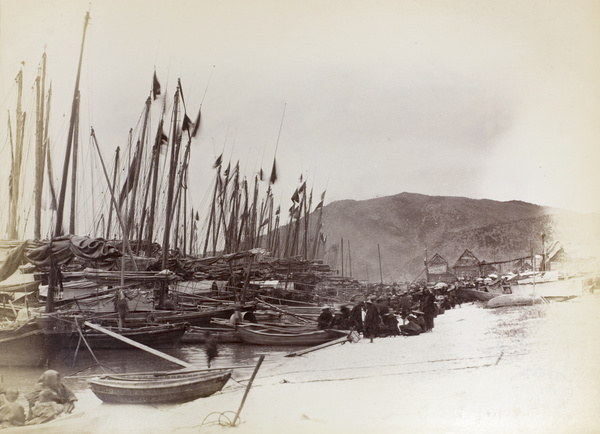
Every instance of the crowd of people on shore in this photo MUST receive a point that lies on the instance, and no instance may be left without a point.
(409, 313)
(48, 399)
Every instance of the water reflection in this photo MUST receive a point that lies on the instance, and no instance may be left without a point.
(78, 367)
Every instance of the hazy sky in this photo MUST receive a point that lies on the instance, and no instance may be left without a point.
(483, 99)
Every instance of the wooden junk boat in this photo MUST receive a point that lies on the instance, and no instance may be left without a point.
(260, 335)
(164, 335)
(158, 387)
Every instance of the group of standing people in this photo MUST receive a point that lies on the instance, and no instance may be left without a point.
(48, 399)
(375, 317)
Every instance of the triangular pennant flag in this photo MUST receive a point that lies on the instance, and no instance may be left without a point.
(218, 162)
(273, 177)
(296, 196)
(155, 87)
(197, 122)
(187, 123)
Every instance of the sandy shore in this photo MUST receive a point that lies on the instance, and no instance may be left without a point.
(511, 370)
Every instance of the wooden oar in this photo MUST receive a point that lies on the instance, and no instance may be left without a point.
(318, 347)
(138, 345)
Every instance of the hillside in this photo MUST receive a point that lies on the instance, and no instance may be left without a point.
(407, 224)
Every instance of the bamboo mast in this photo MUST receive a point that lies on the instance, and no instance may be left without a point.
(349, 260)
(74, 162)
(380, 269)
(114, 201)
(342, 250)
(175, 140)
(47, 152)
(17, 156)
(61, 199)
(154, 182)
(114, 183)
(39, 152)
(212, 212)
(138, 163)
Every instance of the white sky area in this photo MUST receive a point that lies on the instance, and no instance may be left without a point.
(496, 99)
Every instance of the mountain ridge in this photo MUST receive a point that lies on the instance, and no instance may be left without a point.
(406, 225)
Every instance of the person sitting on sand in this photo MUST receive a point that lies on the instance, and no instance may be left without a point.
(61, 394)
(11, 412)
(45, 409)
(411, 328)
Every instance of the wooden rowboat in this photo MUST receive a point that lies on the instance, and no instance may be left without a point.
(158, 387)
(259, 336)
(197, 335)
(470, 294)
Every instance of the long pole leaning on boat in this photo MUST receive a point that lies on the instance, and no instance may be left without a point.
(74, 113)
(277, 309)
(114, 201)
(138, 345)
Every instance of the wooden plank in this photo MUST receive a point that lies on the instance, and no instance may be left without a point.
(138, 345)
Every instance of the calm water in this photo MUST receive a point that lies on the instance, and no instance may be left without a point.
(77, 369)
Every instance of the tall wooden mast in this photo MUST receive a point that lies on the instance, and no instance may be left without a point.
(74, 113)
(17, 156)
(39, 151)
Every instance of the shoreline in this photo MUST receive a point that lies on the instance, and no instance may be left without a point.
(524, 369)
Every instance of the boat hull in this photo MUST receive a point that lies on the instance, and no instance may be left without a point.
(470, 294)
(158, 388)
(514, 300)
(25, 346)
(160, 336)
(197, 335)
(253, 336)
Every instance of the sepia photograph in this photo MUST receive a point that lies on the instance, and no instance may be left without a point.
(266, 217)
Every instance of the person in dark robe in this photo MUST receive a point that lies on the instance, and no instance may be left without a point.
(356, 321)
(214, 289)
(210, 347)
(372, 320)
(405, 306)
(345, 318)
(249, 315)
(428, 308)
(325, 319)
